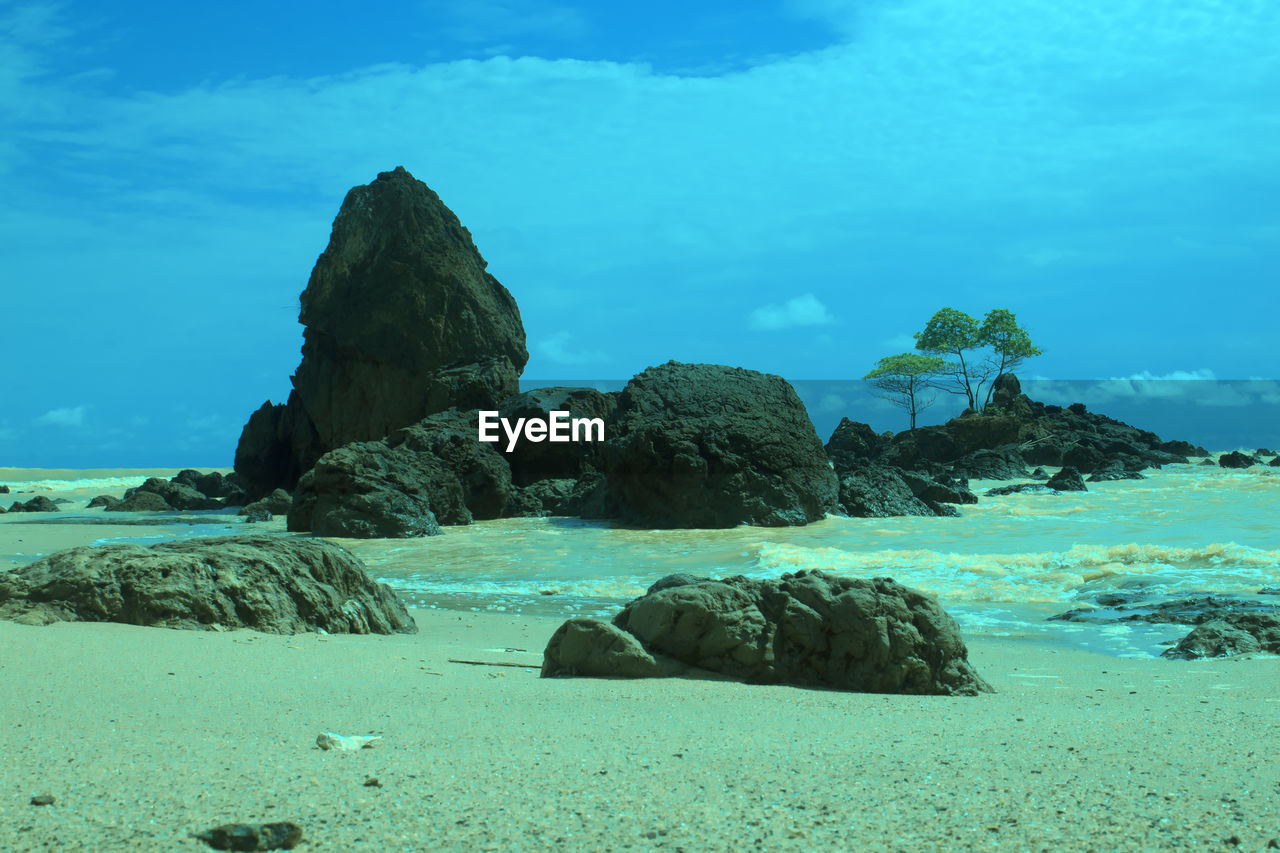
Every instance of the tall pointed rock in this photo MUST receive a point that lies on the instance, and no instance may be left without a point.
(401, 321)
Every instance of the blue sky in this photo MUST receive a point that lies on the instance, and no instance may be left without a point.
(794, 188)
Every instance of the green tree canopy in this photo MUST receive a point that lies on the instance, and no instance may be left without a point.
(952, 332)
(901, 379)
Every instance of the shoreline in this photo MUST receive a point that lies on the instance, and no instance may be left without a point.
(147, 735)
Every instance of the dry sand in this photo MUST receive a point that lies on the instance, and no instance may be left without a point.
(145, 736)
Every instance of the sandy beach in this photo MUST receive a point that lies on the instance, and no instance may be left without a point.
(145, 736)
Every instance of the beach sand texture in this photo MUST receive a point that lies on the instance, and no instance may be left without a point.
(146, 736)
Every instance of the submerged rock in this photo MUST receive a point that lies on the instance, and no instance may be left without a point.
(809, 629)
(273, 584)
(705, 445)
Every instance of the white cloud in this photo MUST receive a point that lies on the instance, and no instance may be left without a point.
(67, 417)
(803, 310)
(557, 349)
(903, 342)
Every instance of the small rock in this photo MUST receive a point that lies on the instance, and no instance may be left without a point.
(243, 836)
(372, 782)
(42, 800)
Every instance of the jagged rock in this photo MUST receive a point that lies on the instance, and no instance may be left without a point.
(176, 494)
(809, 629)
(853, 440)
(1084, 457)
(4, 490)
(1067, 480)
(39, 503)
(274, 584)
(402, 321)
(1017, 488)
(102, 500)
(433, 472)
(277, 446)
(938, 489)
(1039, 474)
(276, 503)
(870, 490)
(705, 445)
(1003, 463)
(1113, 473)
(139, 501)
(533, 461)
(255, 513)
(1231, 633)
(1275, 463)
(545, 497)
(1236, 459)
(1181, 448)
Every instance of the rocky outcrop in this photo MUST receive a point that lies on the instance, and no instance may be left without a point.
(402, 321)
(869, 490)
(277, 503)
(140, 501)
(103, 501)
(1236, 459)
(705, 445)
(39, 503)
(545, 460)
(1230, 634)
(1067, 480)
(853, 440)
(176, 494)
(419, 477)
(273, 584)
(810, 629)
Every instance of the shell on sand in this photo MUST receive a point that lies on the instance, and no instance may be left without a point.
(332, 740)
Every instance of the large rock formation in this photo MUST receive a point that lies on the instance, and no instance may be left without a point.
(810, 629)
(272, 584)
(704, 445)
(433, 472)
(402, 321)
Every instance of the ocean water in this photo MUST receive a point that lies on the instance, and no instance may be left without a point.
(1001, 569)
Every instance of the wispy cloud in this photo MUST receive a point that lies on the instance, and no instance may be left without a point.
(803, 310)
(72, 416)
(557, 349)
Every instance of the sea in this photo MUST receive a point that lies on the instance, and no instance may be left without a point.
(1001, 569)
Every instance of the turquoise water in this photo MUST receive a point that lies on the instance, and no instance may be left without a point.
(1001, 568)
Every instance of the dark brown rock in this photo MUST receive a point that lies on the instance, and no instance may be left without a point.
(140, 501)
(39, 503)
(176, 494)
(810, 629)
(402, 321)
(705, 445)
(274, 584)
(533, 461)
(433, 472)
(103, 501)
(283, 835)
(1067, 480)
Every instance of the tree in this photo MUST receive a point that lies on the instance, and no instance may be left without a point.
(955, 333)
(902, 378)
(1010, 342)
(952, 332)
